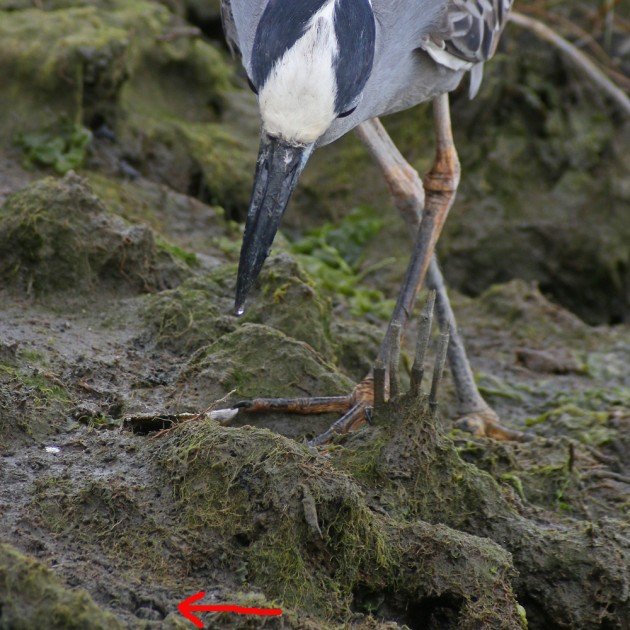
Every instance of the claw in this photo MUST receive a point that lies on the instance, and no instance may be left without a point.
(224, 416)
(394, 360)
(369, 414)
(243, 404)
(438, 370)
(355, 415)
(424, 333)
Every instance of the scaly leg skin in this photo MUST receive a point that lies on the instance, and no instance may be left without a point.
(408, 194)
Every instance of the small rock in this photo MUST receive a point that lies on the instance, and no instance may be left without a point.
(548, 361)
(147, 612)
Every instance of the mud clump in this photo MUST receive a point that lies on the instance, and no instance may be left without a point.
(410, 466)
(301, 530)
(187, 318)
(285, 298)
(75, 57)
(31, 596)
(240, 361)
(202, 309)
(148, 85)
(57, 235)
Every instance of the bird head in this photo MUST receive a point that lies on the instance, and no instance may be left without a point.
(309, 64)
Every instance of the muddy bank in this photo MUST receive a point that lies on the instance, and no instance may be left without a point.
(118, 249)
(402, 523)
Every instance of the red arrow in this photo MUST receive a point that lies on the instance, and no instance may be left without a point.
(187, 609)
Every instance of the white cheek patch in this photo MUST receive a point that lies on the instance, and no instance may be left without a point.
(297, 102)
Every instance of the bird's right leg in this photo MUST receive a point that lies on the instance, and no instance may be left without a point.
(409, 197)
(440, 185)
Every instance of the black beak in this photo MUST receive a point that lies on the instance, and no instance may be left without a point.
(277, 171)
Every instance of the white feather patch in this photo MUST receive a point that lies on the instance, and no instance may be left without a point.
(297, 101)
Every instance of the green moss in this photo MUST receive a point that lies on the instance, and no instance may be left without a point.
(286, 298)
(116, 63)
(111, 515)
(198, 312)
(362, 462)
(528, 313)
(585, 425)
(75, 59)
(183, 79)
(32, 597)
(188, 258)
(156, 205)
(257, 360)
(189, 317)
(32, 355)
(56, 234)
(203, 158)
(417, 474)
(220, 498)
(515, 482)
(244, 489)
(356, 345)
(553, 474)
(494, 387)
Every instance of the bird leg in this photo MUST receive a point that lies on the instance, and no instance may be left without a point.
(440, 187)
(408, 194)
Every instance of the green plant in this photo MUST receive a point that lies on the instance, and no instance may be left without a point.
(334, 255)
(62, 147)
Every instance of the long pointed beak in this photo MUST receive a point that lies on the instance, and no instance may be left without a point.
(277, 171)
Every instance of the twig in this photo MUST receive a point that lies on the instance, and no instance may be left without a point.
(609, 474)
(577, 57)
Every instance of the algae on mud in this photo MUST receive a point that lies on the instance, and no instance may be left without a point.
(413, 471)
(395, 525)
(32, 597)
(58, 235)
(250, 484)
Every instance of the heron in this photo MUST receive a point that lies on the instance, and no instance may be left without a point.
(321, 68)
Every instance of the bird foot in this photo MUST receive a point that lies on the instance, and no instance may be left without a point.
(381, 385)
(486, 423)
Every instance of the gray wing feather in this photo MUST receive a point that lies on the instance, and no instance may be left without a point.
(474, 27)
(468, 36)
(240, 18)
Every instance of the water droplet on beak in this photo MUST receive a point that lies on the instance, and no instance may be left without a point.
(240, 310)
